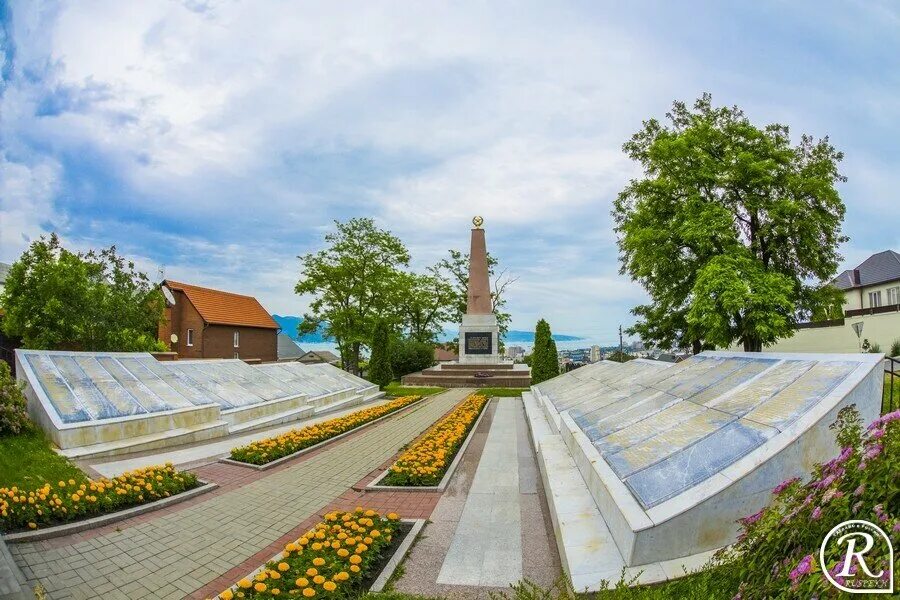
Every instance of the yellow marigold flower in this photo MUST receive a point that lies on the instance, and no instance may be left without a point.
(275, 575)
(336, 544)
(370, 513)
(316, 546)
(312, 571)
(71, 482)
(283, 566)
(275, 591)
(32, 525)
(260, 587)
(226, 595)
(262, 576)
(354, 568)
(329, 586)
(309, 592)
(355, 559)
(318, 579)
(318, 561)
(342, 576)
(302, 582)
(343, 552)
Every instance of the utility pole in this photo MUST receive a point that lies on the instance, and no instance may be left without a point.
(621, 345)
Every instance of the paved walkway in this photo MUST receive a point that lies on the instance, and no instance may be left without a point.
(487, 547)
(523, 509)
(174, 554)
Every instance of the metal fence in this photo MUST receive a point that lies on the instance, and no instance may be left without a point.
(891, 401)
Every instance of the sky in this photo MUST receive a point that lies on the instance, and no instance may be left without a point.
(219, 139)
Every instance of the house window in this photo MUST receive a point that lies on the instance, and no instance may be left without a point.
(237, 355)
(237, 340)
(190, 337)
(893, 296)
(874, 299)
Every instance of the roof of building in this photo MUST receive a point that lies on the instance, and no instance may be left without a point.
(288, 348)
(4, 271)
(878, 268)
(444, 355)
(225, 308)
(321, 356)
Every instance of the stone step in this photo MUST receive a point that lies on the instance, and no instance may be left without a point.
(477, 367)
(152, 441)
(419, 379)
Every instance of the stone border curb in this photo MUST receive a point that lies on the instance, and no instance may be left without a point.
(399, 556)
(107, 519)
(445, 480)
(289, 457)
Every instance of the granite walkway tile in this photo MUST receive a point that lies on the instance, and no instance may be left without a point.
(171, 555)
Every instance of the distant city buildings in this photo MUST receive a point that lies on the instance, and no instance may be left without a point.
(515, 352)
(596, 353)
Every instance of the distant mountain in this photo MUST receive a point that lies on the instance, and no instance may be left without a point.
(289, 326)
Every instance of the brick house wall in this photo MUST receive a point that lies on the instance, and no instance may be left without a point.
(254, 342)
(184, 316)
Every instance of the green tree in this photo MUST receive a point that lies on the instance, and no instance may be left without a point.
(353, 283)
(729, 228)
(455, 269)
(424, 304)
(409, 355)
(57, 299)
(380, 362)
(544, 361)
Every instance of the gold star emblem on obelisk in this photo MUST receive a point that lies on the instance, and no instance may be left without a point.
(477, 221)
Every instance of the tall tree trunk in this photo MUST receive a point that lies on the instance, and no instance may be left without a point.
(354, 358)
(752, 345)
(696, 347)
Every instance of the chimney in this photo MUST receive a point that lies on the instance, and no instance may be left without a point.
(856, 277)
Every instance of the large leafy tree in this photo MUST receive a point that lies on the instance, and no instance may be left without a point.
(353, 283)
(58, 299)
(424, 302)
(455, 269)
(732, 230)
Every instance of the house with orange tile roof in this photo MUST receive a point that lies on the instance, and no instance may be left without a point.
(201, 322)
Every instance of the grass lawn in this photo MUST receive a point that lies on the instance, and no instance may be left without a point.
(502, 392)
(886, 399)
(396, 389)
(26, 460)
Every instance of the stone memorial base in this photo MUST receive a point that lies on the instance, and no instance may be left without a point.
(505, 375)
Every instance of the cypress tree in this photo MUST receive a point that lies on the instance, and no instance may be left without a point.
(544, 364)
(380, 362)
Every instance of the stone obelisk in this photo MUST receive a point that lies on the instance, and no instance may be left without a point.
(478, 333)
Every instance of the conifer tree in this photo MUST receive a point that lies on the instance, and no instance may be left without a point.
(545, 364)
(380, 363)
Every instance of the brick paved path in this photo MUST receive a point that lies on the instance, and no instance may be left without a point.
(180, 551)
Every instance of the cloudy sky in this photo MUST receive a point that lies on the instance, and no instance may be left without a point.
(219, 139)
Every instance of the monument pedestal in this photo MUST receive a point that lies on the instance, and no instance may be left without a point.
(479, 339)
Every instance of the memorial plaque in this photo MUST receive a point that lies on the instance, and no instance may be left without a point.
(478, 342)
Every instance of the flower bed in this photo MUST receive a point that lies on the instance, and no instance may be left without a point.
(426, 460)
(66, 501)
(273, 448)
(332, 560)
(777, 552)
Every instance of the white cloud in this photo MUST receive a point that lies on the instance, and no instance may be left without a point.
(221, 138)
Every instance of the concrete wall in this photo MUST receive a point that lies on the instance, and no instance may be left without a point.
(882, 329)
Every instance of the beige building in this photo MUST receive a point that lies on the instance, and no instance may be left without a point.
(872, 304)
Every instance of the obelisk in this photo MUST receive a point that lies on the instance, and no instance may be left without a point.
(478, 333)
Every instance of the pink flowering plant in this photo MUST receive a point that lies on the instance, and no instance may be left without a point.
(777, 552)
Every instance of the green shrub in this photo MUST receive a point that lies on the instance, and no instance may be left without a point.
(777, 553)
(13, 414)
(409, 356)
(380, 363)
(895, 348)
(544, 362)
